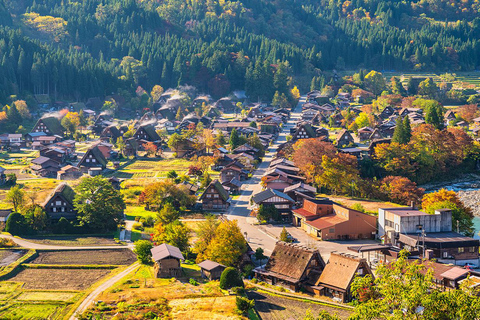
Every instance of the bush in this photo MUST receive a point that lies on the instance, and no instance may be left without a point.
(137, 226)
(193, 282)
(230, 278)
(17, 225)
(63, 226)
(137, 218)
(254, 280)
(244, 304)
(238, 290)
(248, 271)
(6, 243)
(143, 251)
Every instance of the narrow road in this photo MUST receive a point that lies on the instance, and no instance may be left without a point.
(265, 236)
(32, 245)
(240, 208)
(104, 286)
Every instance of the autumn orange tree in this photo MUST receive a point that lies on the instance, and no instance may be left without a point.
(150, 148)
(400, 190)
(446, 199)
(308, 155)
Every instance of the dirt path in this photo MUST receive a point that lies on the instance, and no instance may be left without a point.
(278, 308)
(31, 245)
(11, 258)
(104, 286)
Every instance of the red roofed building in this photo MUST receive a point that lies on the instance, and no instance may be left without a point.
(327, 220)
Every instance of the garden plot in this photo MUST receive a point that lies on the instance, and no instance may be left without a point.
(86, 257)
(33, 311)
(59, 279)
(47, 296)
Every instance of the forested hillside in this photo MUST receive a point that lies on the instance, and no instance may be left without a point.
(79, 49)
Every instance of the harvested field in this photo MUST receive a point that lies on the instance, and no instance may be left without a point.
(46, 296)
(74, 241)
(59, 279)
(216, 308)
(272, 307)
(9, 256)
(86, 257)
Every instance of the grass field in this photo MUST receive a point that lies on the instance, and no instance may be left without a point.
(74, 241)
(151, 168)
(59, 279)
(33, 311)
(86, 257)
(46, 296)
(137, 211)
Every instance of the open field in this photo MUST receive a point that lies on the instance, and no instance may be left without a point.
(59, 279)
(33, 311)
(151, 168)
(274, 307)
(137, 211)
(46, 296)
(74, 241)
(86, 257)
(170, 298)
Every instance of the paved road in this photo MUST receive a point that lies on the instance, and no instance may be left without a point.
(104, 286)
(32, 245)
(266, 236)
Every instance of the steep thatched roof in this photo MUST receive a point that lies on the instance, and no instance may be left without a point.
(291, 260)
(52, 124)
(340, 271)
(220, 189)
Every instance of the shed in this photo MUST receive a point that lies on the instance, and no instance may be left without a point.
(167, 261)
(4, 214)
(211, 269)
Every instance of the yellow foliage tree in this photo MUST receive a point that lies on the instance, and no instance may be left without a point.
(228, 245)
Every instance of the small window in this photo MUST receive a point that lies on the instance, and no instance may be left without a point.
(58, 203)
(445, 254)
(461, 250)
(471, 249)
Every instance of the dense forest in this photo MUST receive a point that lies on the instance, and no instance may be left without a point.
(80, 49)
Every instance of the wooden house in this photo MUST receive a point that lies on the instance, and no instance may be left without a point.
(291, 266)
(300, 191)
(55, 153)
(192, 188)
(364, 133)
(60, 203)
(147, 133)
(304, 131)
(93, 158)
(338, 274)
(344, 138)
(215, 197)
(233, 170)
(246, 148)
(69, 172)
(50, 125)
(45, 167)
(167, 261)
(211, 270)
(131, 147)
(225, 105)
(233, 186)
(282, 202)
(4, 214)
(387, 112)
(376, 134)
(110, 133)
(449, 117)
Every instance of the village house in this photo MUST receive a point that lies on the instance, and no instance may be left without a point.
(277, 179)
(300, 191)
(387, 112)
(246, 148)
(192, 188)
(146, 133)
(282, 202)
(445, 276)
(364, 133)
(50, 125)
(344, 138)
(229, 126)
(60, 203)
(449, 117)
(215, 197)
(233, 170)
(211, 270)
(110, 133)
(55, 153)
(69, 172)
(304, 131)
(233, 186)
(403, 226)
(93, 158)
(167, 261)
(4, 214)
(338, 274)
(326, 220)
(291, 266)
(45, 167)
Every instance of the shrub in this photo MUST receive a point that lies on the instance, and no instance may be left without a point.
(16, 224)
(137, 218)
(254, 280)
(248, 271)
(238, 290)
(230, 278)
(193, 282)
(63, 226)
(143, 251)
(244, 304)
(6, 243)
(137, 226)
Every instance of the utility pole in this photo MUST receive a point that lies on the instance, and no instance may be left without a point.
(458, 226)
(423, 242)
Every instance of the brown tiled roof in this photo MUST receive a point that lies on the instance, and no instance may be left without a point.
(340, 271)
(290, 260)
(326, 221)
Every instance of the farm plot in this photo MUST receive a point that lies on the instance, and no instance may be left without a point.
(33, 311)
(215, 308)
(74, 241)
(273, 307)
(86, 257)
(46, 296)
(59, 279)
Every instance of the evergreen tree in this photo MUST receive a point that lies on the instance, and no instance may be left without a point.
(407, 130)
(234, 139)
(434, 116)
(399, 133)
(411, 87)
